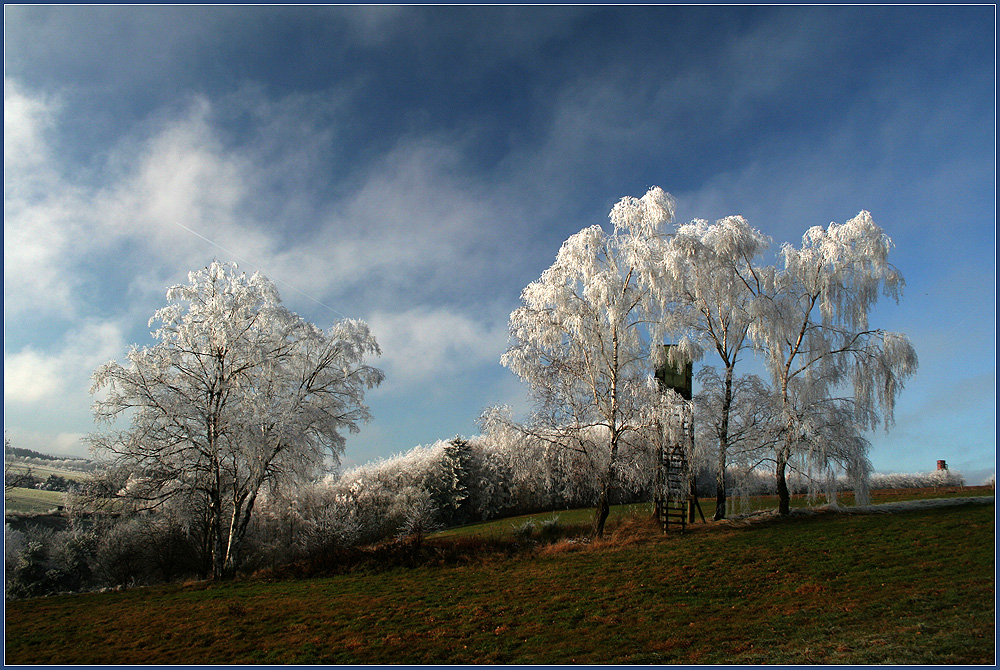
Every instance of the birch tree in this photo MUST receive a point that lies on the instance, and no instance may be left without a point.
(580, 338)
(737, 415)
(812, 323)
(237, 394)
(703, 289)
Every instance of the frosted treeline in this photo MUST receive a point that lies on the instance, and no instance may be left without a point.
(506, 473)
(911, 480)
(448, 483)
(761, 482)
(495, 475)
(76, 464)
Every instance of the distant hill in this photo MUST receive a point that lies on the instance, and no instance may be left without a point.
(42, 464)
(18, 452)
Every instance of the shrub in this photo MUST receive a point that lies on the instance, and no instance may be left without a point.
(30, 576)
(550, 529)
(121, 558)
(42, 562)
(13, 545)
(524, 531)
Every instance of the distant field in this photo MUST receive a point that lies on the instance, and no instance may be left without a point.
(43, 471)
(31, 500)
(582, 518)
(24, 500)
(912, 587)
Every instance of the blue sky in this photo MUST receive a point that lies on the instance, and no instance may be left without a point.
(416, 167)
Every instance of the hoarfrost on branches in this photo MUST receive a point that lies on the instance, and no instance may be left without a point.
(580, 339)
(584, 338)
(812, 324)
(749, 429)
(237, 394)
(703, 287)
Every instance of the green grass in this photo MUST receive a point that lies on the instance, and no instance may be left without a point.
(575, 518)
(906, 588)
(31, 500)
(25, 500)
(581, 519)
(43, 471)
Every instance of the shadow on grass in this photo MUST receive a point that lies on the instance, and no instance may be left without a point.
(540, 534)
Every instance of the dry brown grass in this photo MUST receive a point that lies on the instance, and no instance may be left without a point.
(908, 588)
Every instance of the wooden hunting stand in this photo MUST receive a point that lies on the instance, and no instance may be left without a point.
(674, 496)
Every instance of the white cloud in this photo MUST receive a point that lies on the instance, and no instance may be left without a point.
(39, 208)
(424, 344)
(26, 119)
(180, 175)
(415, 228)
(68, 443)
(49, 442)
(47, 393)
(29, 377)
(178, 178)
(416, 225)
(38, 238)
(32, 377)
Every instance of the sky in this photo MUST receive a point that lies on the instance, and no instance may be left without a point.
(417, 167)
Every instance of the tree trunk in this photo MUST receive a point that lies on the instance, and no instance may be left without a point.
(604, 500)
(238, 533)
(602, 511)
(205, 546)
(232, 544)
(720, 473)
(217, 524)
(218, 546)
(783, 497)
(785, 451)
(720, 488)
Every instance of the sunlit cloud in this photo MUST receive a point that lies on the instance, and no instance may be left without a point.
(26, 118)
(32, 376)
(422, 346)
(29, 377)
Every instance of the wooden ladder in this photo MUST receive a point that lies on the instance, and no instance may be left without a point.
(673, 498)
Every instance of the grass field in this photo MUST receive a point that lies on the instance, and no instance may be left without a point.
(43, 471)
(582, 518)
(31, 500)
(25, 500)
(912, 587)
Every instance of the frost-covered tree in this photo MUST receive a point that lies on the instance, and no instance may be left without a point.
(704, 286)
(742, 416)
(236, 395)
(450, 489)
(812, 323)
(580, 338)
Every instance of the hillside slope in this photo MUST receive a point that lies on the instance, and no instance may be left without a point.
(915, 587)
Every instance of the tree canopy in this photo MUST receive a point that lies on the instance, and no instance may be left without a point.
(811, 322)
(237, 393)
(708, 279)
(580, 338)
(587, 334)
